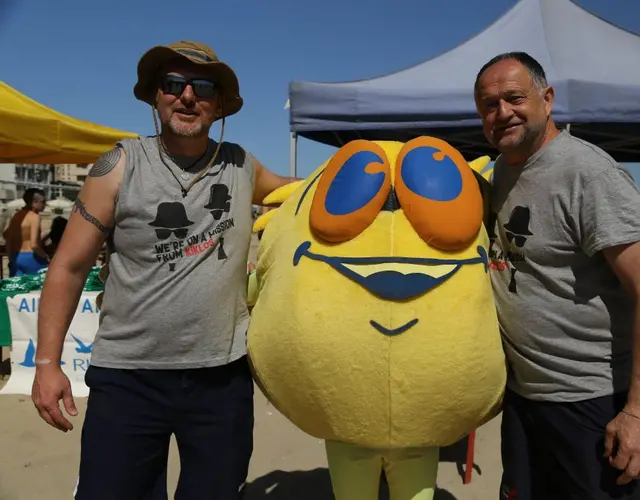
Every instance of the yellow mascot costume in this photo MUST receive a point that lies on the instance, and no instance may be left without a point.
(373, 324)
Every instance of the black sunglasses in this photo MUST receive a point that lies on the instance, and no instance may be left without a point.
(163, 234)
(175, 85)
(517, 239)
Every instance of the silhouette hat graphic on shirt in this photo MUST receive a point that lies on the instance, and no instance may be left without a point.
(171, 217)
(219, 200)
(518, 226)
(519, 221)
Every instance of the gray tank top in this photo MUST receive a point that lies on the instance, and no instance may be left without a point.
(175, 295)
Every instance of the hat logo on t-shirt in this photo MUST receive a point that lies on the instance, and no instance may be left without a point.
(517, 229)
(219, 201)
(171, 218)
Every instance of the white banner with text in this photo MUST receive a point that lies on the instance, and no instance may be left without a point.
(76, 353)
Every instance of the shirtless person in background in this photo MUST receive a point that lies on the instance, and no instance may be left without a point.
(22, 237)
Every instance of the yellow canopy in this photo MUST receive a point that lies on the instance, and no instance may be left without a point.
(33, 133)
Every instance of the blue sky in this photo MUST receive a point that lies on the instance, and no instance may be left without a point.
(80, 57)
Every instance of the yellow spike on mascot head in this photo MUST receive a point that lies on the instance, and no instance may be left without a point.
(374, 326)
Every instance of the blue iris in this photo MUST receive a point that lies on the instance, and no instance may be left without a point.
(352, 187)
(430, 178)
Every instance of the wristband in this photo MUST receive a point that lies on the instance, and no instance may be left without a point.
(630, 414)
(42, 361)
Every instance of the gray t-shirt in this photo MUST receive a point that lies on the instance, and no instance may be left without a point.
(566, 320)
(175, 296)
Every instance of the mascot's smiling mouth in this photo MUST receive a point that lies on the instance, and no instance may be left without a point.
(394, 278)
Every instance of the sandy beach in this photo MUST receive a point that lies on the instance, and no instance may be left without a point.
(40, 462)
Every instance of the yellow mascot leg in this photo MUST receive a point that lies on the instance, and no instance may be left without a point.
(411, 473)
(355, 471)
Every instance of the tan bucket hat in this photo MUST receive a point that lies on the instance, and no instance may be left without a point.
(193, 52)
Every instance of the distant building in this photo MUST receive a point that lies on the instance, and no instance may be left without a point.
(72, 172)
(34, 175)
(7, 174)
(56, 180)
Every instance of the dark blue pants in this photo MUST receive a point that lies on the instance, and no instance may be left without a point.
(554, 451)
(131, 415)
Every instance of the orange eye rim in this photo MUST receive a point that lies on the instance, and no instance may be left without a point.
(340, 228)
(447, 225)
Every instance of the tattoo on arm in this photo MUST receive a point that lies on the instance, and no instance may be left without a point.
(79, 207)
(106, 163)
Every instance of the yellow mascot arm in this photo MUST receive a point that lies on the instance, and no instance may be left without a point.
(481, 166)
(280, 195)
(484, 172)
(252, 289)
(275, 198)
(262, 221)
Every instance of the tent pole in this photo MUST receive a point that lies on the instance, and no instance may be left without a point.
(293, 154)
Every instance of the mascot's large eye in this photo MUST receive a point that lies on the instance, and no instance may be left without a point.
(351, 192)
(438, 193)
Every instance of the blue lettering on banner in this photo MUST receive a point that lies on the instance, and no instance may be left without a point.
(82, 347)
(87, 306)
(79, 364)
(30, 356)
(30, 305)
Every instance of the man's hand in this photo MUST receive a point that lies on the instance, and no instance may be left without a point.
(49, 387)
(622, 445)
(622, 438)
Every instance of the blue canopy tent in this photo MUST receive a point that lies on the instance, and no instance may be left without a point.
(592, 64)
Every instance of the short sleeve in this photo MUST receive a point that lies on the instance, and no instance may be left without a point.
(609, 210)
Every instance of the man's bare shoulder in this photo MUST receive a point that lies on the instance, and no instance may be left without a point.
(31, 218)
(108, 162)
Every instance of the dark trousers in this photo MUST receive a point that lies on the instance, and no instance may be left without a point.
(554, 451)
(131, 415)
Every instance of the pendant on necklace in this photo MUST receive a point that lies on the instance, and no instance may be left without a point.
(184, 176)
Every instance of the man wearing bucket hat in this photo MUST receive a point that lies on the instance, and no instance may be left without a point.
(169, 356)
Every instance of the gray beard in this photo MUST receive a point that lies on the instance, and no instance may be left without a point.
(194, 132)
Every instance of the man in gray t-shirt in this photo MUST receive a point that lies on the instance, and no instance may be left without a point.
(565, 266)
(169, 358)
